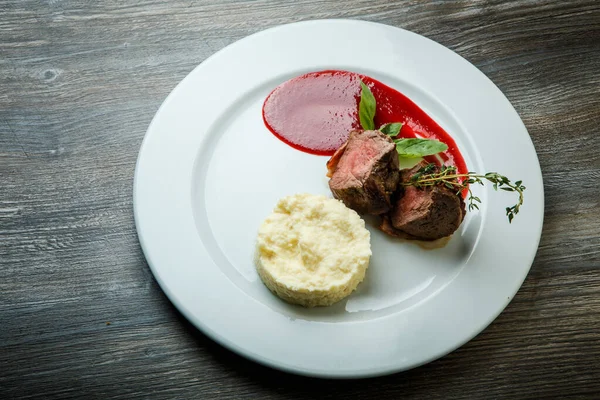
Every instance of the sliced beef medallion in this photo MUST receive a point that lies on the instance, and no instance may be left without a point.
(424, 213)
(364, 172)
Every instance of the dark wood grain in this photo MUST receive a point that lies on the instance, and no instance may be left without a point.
(80, 313)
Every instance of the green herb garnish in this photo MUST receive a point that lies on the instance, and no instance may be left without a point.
(448, 176)
(366, 108)
(419, 147)
(392, 129)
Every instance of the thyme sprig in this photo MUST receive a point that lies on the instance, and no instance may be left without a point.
(431, 175)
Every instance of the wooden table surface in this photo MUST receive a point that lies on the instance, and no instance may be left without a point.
(81, 314)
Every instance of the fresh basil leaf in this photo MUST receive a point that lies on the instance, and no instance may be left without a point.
(408, 162)
(419, 147)
(392, 129)
(366, 107)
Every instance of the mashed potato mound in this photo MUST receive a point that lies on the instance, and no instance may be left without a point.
(312, 250)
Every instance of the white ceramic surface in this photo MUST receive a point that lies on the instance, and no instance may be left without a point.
(209, 172)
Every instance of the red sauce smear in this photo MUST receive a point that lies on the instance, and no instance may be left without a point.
(315, 113)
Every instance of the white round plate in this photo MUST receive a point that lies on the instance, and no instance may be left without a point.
(209, 172)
